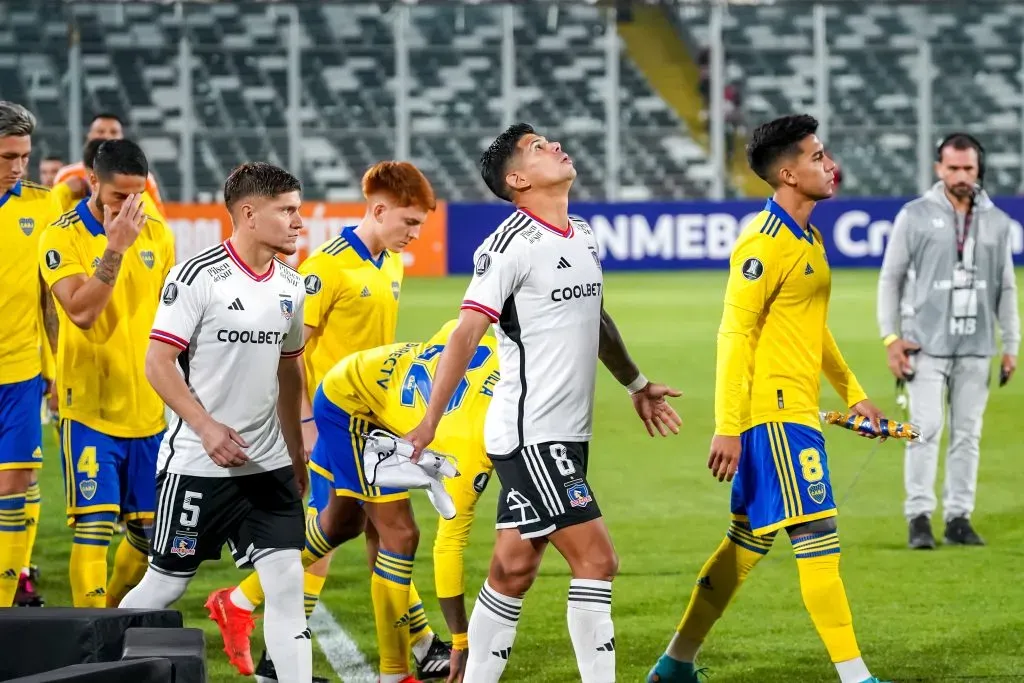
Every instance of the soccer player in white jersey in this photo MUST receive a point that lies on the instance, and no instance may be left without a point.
(226, 356)
(538, 279)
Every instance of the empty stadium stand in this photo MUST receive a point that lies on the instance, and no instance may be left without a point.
(873, 63)
(130, 65)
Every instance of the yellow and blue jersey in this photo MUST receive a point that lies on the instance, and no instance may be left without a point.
(774, 341)
(773, 345)
(25, 211)
(101, 381)
(351, 302)
(389, 387)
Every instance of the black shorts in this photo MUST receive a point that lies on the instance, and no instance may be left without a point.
(254, 514)
(544, 488)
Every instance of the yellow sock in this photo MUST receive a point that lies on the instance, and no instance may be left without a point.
(720, 578)
(12, 545)
(252, 589)
(419, 627)
(317, 545)
(312, 586)
(389, 588)
(33, 501)
(89, 559)
(130, 563)
(817, 559)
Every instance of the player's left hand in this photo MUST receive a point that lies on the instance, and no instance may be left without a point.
(309, 436)
(869, 410)
(457, 665)
(654, 410)
(1008, 367)
(50, 392)
(301, 477)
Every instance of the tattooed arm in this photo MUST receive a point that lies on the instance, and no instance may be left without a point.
(51, 323)
(612, 352)
(84, 298)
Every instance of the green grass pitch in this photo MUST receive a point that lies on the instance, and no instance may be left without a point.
(950, 615)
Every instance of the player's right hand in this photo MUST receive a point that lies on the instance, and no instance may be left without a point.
(725, 457)
(309, 436)
(420, 437)
(457, 665)
(123, 229)
(898, 354)
(224, 445)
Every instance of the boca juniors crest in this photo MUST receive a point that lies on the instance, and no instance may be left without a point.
(27, 225)
(148, 258)
(286, 308)
(183, 546)
(579, 495)
(817, 492)
(87, 487)
(396, 288)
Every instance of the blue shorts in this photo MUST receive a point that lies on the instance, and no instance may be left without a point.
(104, 473)
(21, 426)
(337, 459)
(783, 477)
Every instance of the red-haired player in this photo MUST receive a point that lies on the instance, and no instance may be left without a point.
(352, 286)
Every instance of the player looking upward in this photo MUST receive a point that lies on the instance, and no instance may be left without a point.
(773, 345)
(105, 261)
(226, 356)
(107, 126)
(538, 279)
(353, 284)
(25, 211)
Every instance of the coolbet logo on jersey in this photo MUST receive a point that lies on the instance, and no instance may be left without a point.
(576, 292)
(251, 336)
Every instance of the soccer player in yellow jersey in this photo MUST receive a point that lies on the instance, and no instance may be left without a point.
(388, 387)
(353, 283)
(773, 345)
(25, 210)
(105, 262)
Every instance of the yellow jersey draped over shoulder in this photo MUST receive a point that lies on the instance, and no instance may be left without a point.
(351, 302)
(774, 341)
(390, 386)
(101, 380)
(25, 211)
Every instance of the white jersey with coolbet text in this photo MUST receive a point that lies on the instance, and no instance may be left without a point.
(542, 288)
(233, 327)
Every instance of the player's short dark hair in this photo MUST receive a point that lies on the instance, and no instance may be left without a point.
(106, 115)
(89, 153)
(495, 160)
(775, 140)
(53, 157)
(258, 179)
(120, 156)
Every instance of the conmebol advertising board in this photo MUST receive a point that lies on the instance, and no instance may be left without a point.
(690, 235)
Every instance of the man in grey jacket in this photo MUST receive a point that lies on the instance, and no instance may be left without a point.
(949, 262)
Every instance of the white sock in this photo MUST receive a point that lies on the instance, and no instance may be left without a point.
(591, 629)
(492, 630)
(853, 671)
(155, 591)
(288, 639)
(421, 647)
(239, 600)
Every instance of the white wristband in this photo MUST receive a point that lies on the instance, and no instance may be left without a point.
(638, 384)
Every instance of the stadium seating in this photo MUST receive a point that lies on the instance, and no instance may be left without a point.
(130, 65)
(873, 65)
